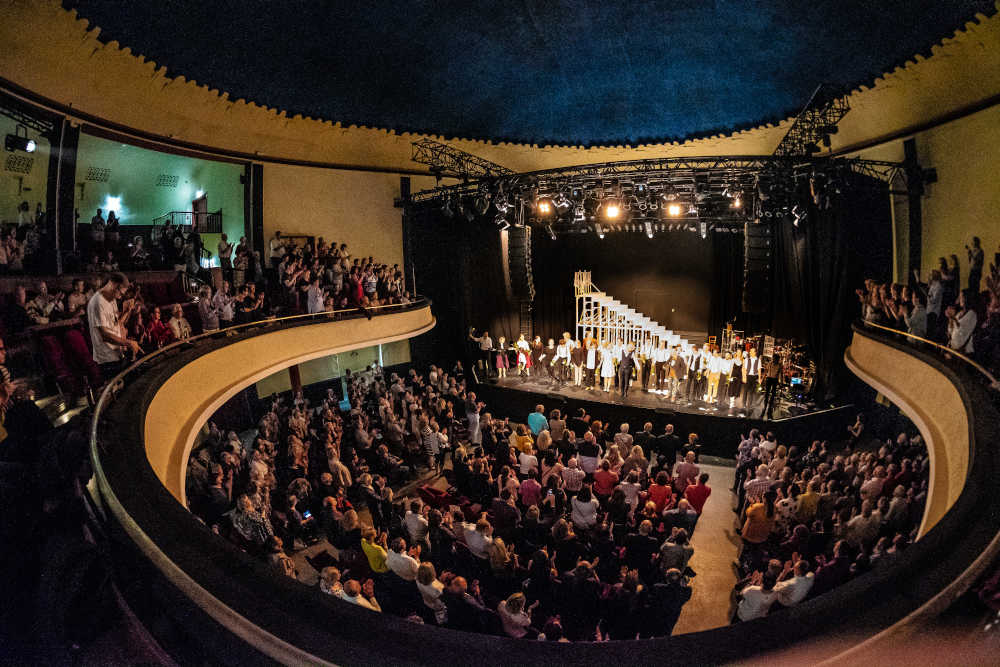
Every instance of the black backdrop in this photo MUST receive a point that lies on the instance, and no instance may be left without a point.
(667, 278)
(679, 279)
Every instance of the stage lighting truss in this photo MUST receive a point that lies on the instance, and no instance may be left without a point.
(724, 192)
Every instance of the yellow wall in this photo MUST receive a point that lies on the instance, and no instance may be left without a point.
(16, 187)
(966, 199)
(351, 207)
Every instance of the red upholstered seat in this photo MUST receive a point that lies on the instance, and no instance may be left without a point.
(80, 357)
(55, 363)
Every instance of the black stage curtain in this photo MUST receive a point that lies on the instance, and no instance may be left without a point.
(668, 278)
(727, 283)
(819, 265)
(458, 265)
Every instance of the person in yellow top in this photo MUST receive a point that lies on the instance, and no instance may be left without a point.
(520, 440)
(375, 550)
(760, 520)
(808, 503)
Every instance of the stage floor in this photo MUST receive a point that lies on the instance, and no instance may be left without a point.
(653, 399)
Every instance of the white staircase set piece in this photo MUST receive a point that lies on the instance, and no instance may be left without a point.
(608, 319)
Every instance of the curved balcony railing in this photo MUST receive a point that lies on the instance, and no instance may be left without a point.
(235, 610)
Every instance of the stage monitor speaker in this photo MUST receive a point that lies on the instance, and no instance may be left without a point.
(758, 260)
(522, 282)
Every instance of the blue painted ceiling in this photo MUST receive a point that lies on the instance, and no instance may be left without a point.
(583, 72)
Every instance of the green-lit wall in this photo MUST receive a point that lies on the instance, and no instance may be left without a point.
(134, 175)
(32, 185)
(327, 368)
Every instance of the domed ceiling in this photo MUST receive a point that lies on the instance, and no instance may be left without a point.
(585, 72)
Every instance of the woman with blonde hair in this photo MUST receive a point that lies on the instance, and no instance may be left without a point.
(614, 459)
(430, 591)
(515, 617)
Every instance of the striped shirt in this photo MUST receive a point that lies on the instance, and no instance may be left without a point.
(756, 488)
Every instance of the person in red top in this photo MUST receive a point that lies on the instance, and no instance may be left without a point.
(604, 481)
(158, 332)
(697, 494)
(661, 492)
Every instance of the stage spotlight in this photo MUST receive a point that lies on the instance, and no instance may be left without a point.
(737, 202)
(579, 214)
(562, 202)
(599, 230)
(544, 207)
(704, 229)
(649, 229)
(15, 142)
(673, 210)
(552, 234)
(501, 222)
(692, 210)
(612, 210)
(798, 214)
(482, 203)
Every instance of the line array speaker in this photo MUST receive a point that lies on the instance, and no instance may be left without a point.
(758, 262)
(522, 282)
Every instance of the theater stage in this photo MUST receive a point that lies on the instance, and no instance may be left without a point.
(719, 429)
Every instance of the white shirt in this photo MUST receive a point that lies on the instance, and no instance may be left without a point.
(960, 335)
(104, 313)
(753, 366)
(314, 299)
(361, 601)
(562, 351)
(224, 304)
(661, 355)
(755, 603)
(404, 565)
(477, 542)
(529, 462)
(277, 247)
(793, 591)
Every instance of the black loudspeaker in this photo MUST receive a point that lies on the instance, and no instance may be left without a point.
(522, 283)
(758, 263)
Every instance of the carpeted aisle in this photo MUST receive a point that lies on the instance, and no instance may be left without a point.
(715, 548)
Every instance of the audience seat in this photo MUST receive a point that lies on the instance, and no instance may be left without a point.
(55, 364)
(81, 357)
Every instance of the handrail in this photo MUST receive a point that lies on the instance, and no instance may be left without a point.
(947, 351)
(270, 321)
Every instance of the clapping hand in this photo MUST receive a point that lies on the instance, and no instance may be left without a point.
(368, 588)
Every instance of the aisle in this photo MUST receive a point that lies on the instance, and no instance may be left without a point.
(715, 548)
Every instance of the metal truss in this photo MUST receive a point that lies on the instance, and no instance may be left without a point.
(684, 177)
(445, 160)
(20, 117)
(815, 123)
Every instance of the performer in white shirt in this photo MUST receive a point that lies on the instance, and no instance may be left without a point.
(646, 353)
(562, 358)
(660, 357)
(591, 364)
(751, 376)
(714, 373)
(523, 355)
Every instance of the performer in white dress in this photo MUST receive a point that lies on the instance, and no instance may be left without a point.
(607, 366)
(523, 352)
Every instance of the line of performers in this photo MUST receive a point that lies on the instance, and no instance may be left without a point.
(679, 372)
